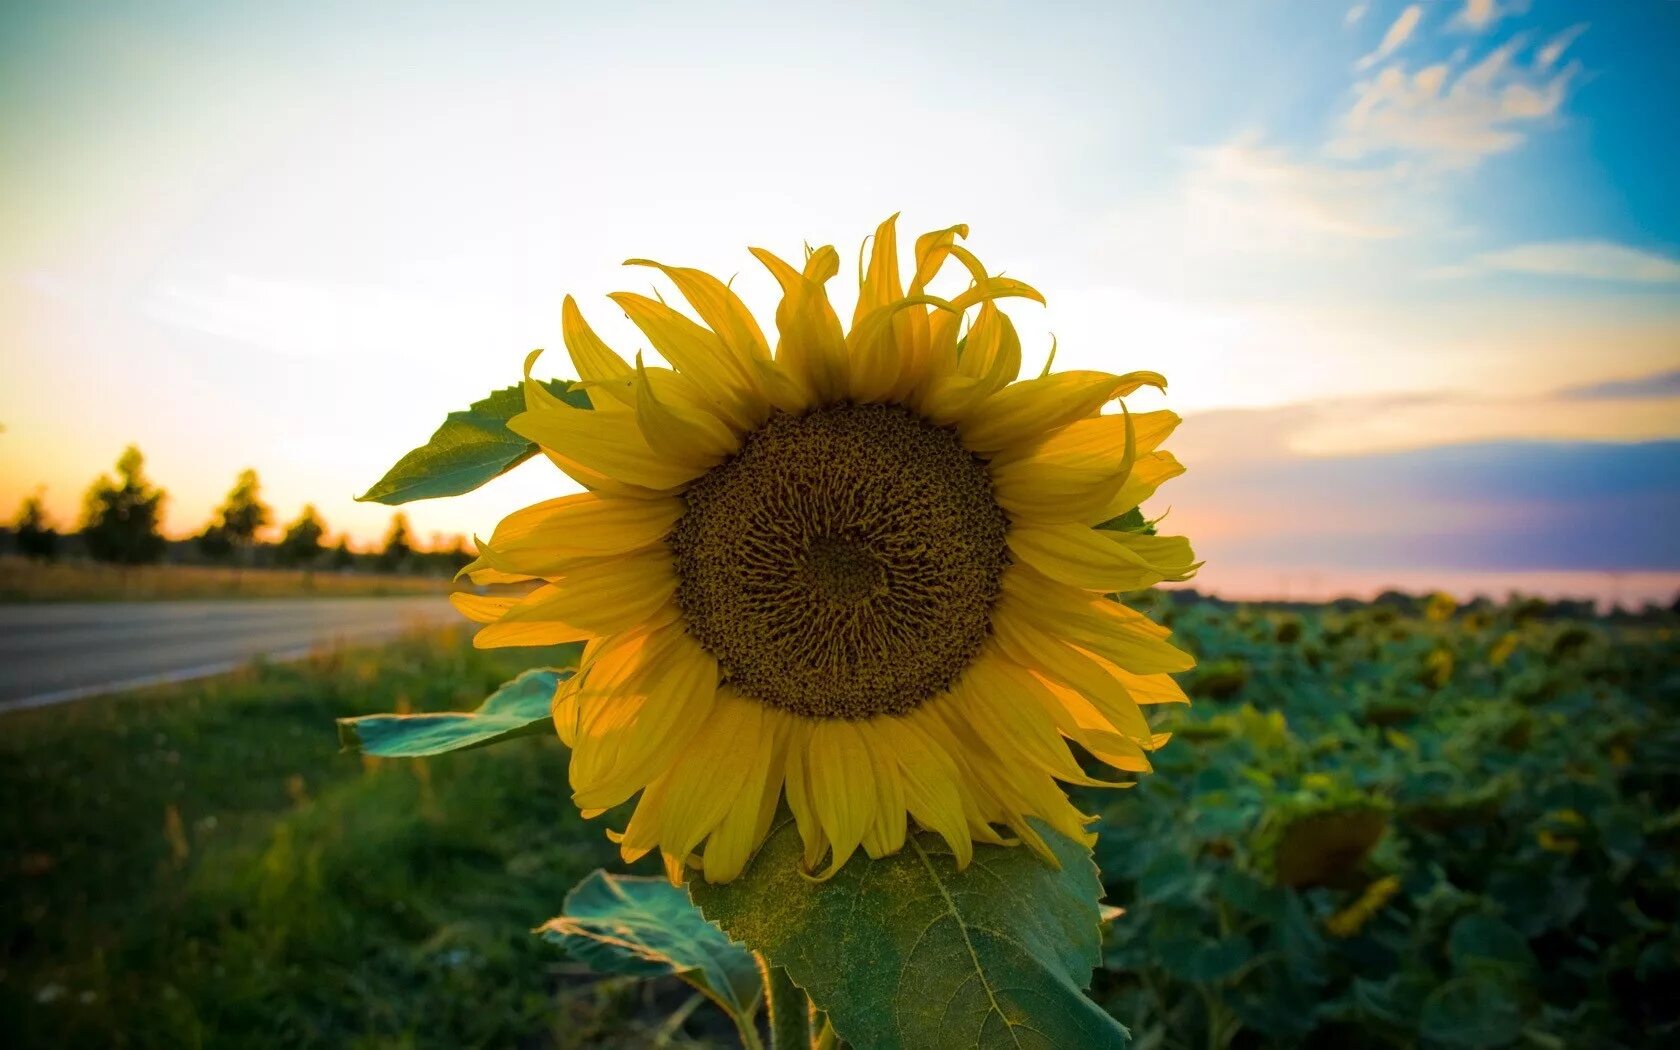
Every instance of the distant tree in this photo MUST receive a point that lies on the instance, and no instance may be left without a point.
(301, 545)
(35, 536)
(120, 516)
(342, 556)
(457, 555)
(237, 520)
(399, 544)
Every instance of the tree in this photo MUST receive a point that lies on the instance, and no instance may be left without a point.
(237, 519)
(399, 544)
(120, 516)
(36, 538)
(301, 545)
(342, 556)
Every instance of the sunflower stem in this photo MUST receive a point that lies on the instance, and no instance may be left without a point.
(790, 1010)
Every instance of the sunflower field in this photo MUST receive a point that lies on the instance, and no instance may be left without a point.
(1404, 824)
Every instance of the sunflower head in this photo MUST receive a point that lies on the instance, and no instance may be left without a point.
(1321, 838)
(866, 570)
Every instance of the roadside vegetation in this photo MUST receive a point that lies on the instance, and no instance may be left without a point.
(120, 526)
(32, 580)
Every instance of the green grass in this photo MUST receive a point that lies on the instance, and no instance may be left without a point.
(200, 866)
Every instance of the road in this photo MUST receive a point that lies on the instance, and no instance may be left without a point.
(51, 653)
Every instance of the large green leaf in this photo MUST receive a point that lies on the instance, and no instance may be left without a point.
(909, 952)
(646, 927)
(471, 448)
(517, 708)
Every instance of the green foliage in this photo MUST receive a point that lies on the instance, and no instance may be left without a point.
(33, 532)
(645, 927)
(1409, 825)
(120, 516)
(469, 449)
(301, 544)
(399, 544)
(517, 708)
(909, 952)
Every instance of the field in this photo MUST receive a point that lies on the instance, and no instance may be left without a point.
(27, 580)
(1379, 826)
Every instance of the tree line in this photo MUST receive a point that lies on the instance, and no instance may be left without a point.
(121, 524)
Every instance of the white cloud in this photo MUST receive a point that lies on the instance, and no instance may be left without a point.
(1354, 14)
(1548, 55)
(1477, 15)
(1397, 35)
(1594, 260)
(1453, 121)
(1248, 196)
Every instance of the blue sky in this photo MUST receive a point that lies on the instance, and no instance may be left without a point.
(308, 230)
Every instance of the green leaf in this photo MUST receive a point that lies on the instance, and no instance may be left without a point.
(1471, 1012)
(1131, 521)
(518, 708)
(646, 927)
(1484, 943)
(471, 448)
(909, 952)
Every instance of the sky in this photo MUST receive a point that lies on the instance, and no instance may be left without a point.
(1412, 270)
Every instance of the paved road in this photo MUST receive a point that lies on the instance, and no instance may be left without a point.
(53, 653)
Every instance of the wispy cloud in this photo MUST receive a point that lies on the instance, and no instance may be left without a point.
(1554, 48)
(1639, 388)
(1593, 260)
(1258, 197)
(1398, 33)
(1479, 15)
(1452, 117)
(1354, 14)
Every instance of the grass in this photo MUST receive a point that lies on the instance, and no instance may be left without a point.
(200, 866)
(28, 580)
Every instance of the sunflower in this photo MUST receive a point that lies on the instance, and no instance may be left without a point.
(865, 572)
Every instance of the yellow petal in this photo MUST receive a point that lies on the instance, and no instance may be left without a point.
(724, 380)
(1026, 411)
(1080, 670)
(887, 828)
(1094, 441)
(630, 737)
(1106, 628)
(1149, 473)
(603, 597)
(483, 608)
(542, 539)
(996, 701)
(720, 308)
(992, 353)
(929, 781)
(610, 444)
(593, 359)
(810, 346)
(711, 772)
(799, 795)
(692, 437)
(842, 786)
(879, 286)
(743, 828)
(1091, 559)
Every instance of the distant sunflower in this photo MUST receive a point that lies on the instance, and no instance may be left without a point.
(866, 572)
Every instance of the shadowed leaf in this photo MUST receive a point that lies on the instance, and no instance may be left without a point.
(646, 927)
(909, 952)
(517, 708)
(471, 448)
